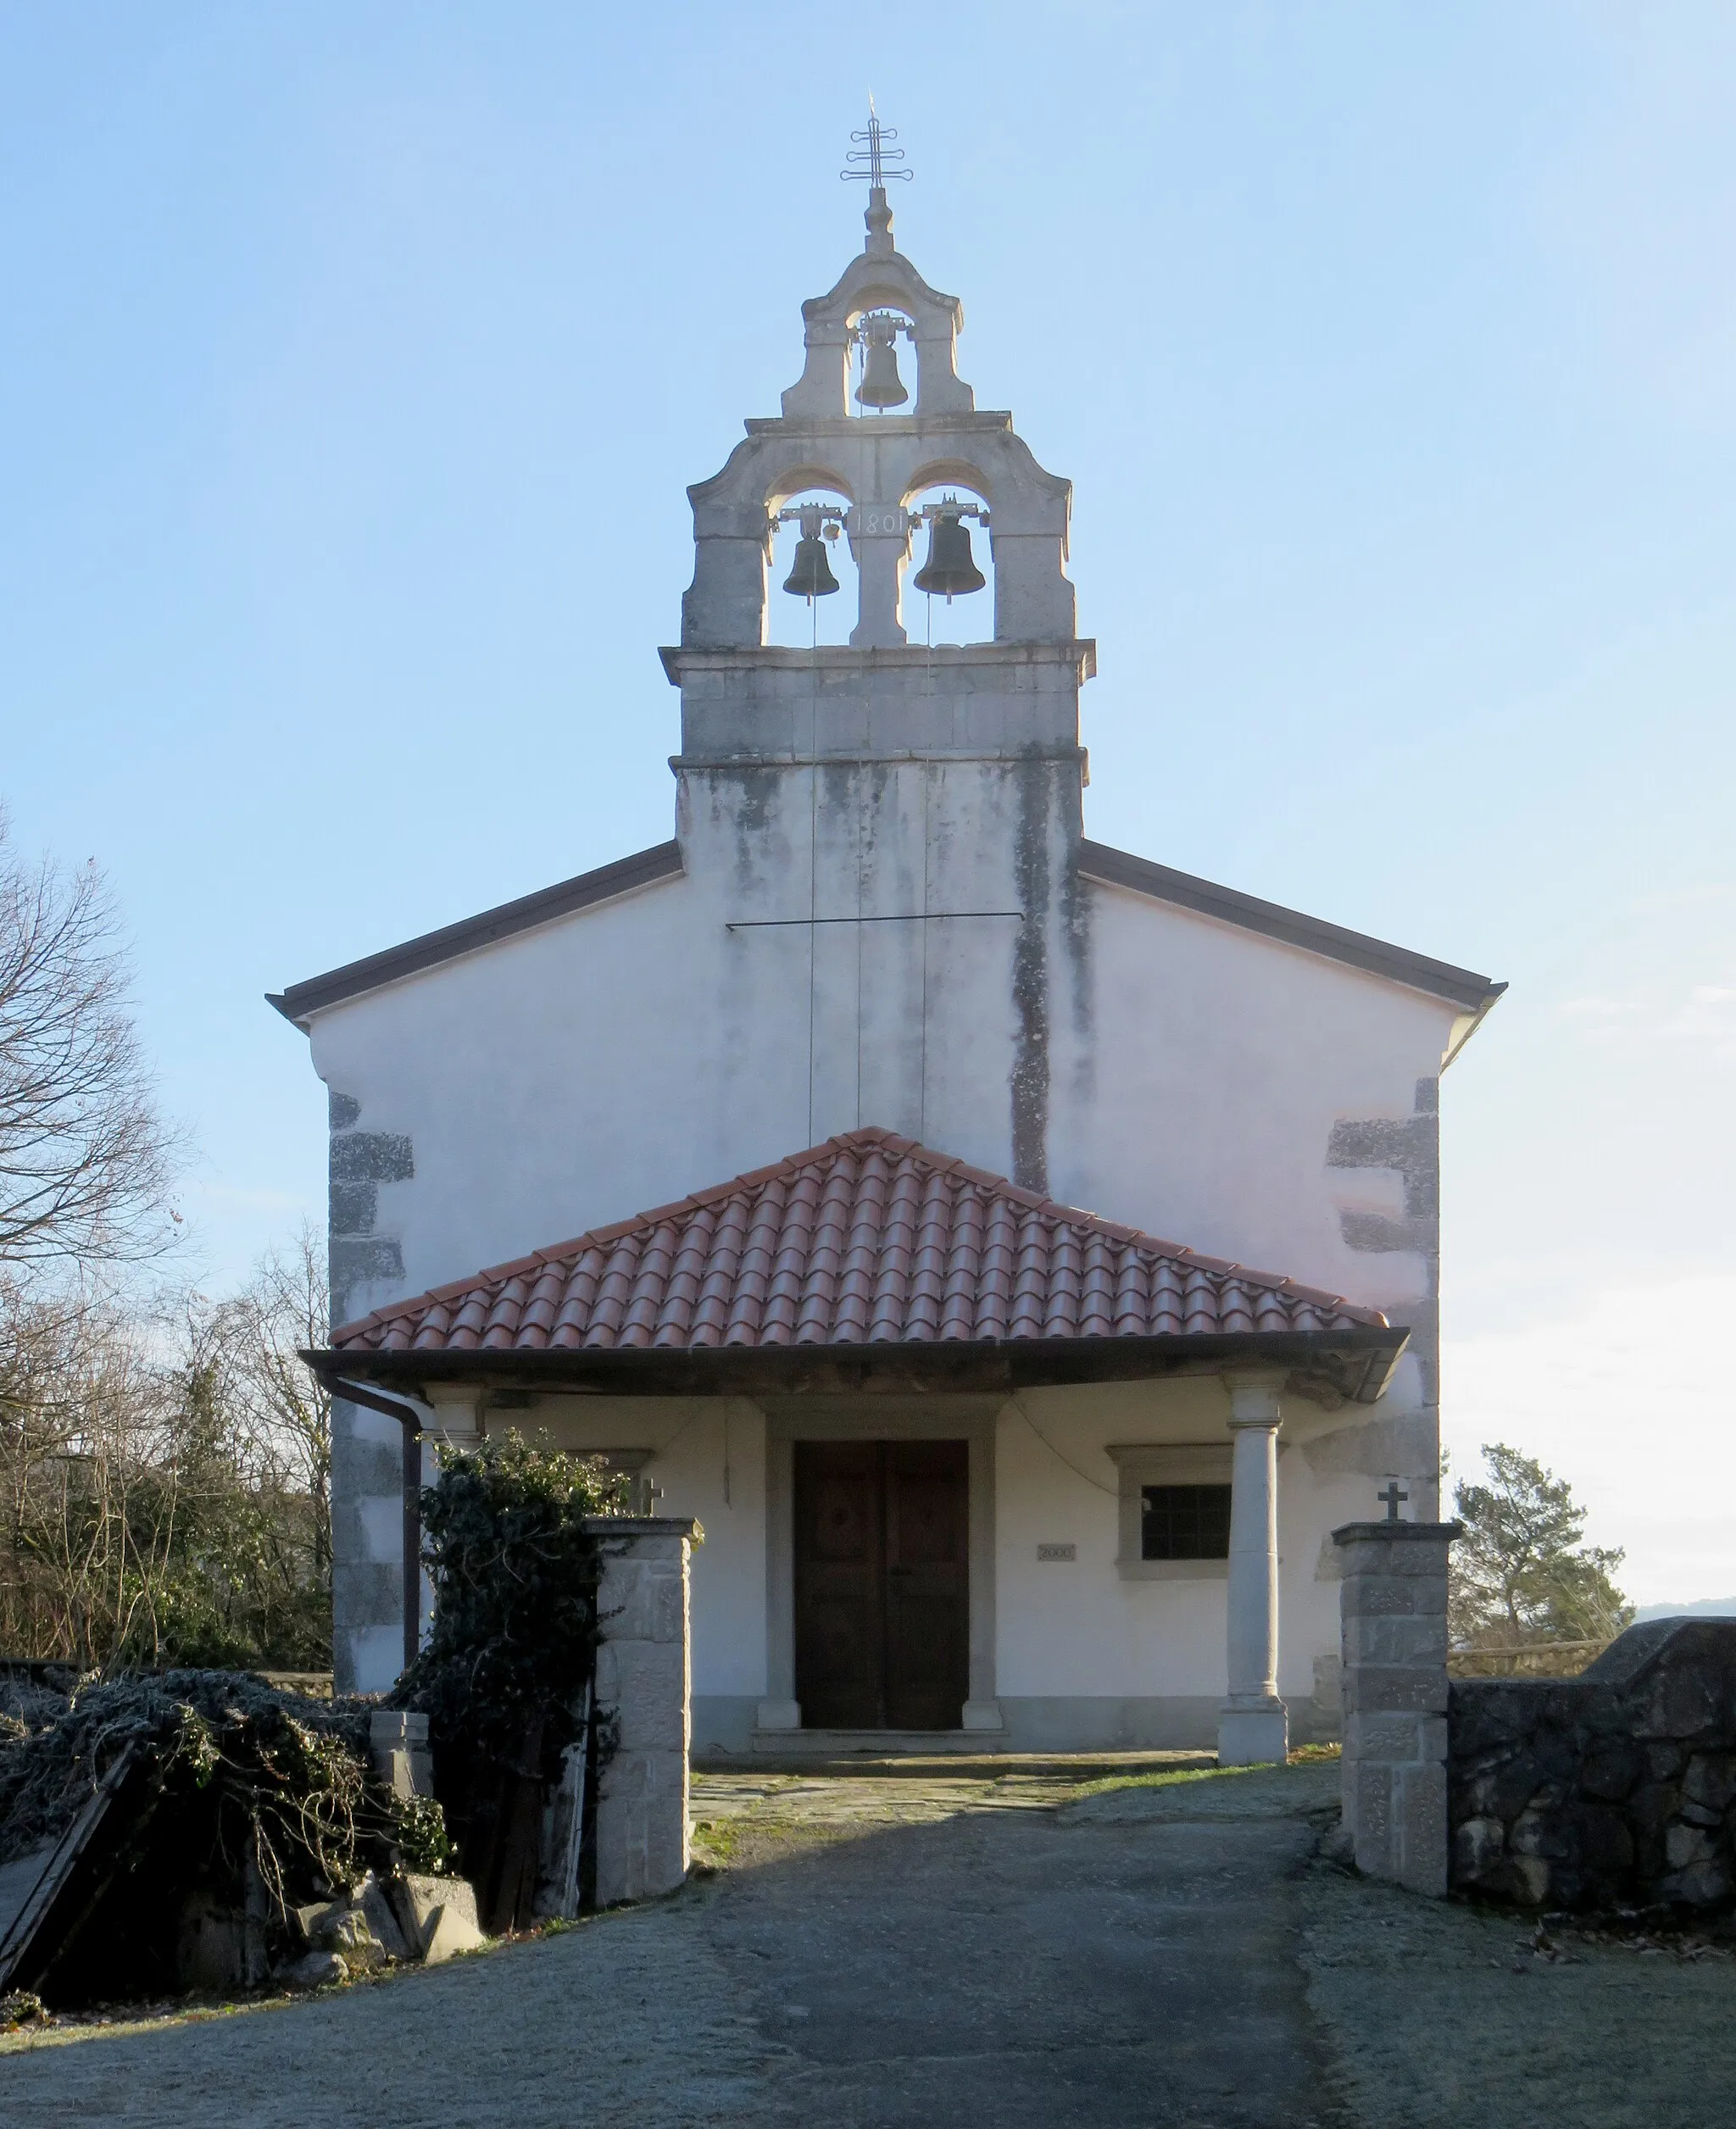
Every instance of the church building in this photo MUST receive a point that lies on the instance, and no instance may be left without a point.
(1017, 1254)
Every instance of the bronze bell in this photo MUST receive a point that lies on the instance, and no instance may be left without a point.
(949, 569)
(811, 574)
(882, 385)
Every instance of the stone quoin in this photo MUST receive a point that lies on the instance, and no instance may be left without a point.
(916, 1079)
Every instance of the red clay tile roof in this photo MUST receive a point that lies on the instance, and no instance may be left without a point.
(869, 1239)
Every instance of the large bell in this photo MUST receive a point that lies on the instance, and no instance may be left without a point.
(810, 575)
(949, 570)
(882, 385)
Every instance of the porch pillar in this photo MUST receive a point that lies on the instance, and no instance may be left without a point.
(1254, 1726)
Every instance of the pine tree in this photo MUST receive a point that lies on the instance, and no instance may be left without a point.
(1521, 1572)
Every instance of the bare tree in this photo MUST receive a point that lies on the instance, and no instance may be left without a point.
(88, 1516)
(165, 1479)
(84, 1155)
(285, 1410)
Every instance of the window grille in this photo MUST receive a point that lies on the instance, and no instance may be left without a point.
(1184, 1522)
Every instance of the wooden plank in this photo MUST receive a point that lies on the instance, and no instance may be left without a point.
(59, 1859)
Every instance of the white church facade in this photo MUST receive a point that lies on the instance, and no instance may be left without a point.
(1042, 1252)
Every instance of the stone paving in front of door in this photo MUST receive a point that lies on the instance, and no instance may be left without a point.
(998, 1949)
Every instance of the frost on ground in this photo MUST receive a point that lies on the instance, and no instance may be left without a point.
(988, 1951)
(627, 2019)
(1437, 2015)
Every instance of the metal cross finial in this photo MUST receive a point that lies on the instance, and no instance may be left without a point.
(1392, 1497)
(876, 154)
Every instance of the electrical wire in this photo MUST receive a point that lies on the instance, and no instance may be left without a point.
(1113, 1492)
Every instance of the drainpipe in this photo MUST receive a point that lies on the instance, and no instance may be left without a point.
(396, 1409)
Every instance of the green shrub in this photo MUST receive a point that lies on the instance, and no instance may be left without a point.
(423, 1842)
(515, 1576)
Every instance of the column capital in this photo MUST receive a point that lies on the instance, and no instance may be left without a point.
(1253, 1396)
(455, 1421)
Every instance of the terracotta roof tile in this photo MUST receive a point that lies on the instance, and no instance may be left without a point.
(868, 1239)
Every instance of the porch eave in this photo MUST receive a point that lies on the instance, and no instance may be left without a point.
(1328, 1367)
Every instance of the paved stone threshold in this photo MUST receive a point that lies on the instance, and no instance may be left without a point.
(867, 1792)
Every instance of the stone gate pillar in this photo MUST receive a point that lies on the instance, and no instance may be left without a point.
(644, 1700)
(1394, 1611)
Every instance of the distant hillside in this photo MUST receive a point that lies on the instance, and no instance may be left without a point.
(1706, 1608)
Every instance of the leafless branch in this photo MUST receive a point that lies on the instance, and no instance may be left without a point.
(85, 1157)
(165, 1482)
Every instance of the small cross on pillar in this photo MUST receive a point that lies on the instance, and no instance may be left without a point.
(1392, 1497)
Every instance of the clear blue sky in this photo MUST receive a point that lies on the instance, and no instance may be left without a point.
(355, 361)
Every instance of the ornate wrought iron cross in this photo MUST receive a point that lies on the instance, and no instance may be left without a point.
(876, 154)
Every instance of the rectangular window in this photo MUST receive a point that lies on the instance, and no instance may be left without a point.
(1184, 1522)
(1172, 1510)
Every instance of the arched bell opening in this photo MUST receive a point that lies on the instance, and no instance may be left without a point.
(947, 594)
(811, 590)
(881, 377)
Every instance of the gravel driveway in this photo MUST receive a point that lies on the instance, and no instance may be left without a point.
(961, 1951)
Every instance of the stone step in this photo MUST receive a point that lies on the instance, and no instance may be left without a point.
(874, 1744)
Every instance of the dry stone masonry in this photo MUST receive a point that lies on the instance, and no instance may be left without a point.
(1615, 1789)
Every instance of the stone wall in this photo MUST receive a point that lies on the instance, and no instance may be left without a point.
(1615, 1789)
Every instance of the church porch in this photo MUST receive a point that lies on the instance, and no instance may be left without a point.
(971, 1464)
(1030, 1581)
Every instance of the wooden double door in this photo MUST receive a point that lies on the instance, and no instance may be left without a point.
(881, 1584)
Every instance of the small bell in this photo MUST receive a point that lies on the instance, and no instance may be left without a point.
(882, 385)
(811, 574)
(949, 569)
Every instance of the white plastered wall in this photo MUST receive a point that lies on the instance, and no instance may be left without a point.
(1076, 1627)
(623, 1056)
(1199, 1099)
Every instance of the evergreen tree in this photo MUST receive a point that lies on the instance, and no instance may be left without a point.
(1521, 1572)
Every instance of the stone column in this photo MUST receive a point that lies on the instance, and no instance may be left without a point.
(1254, 1727)
(643, 1698)
(880, 539)
(1393, 1603)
